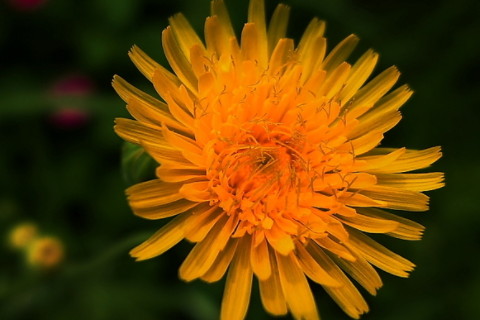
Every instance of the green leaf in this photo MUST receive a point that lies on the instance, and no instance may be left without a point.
(137, 165)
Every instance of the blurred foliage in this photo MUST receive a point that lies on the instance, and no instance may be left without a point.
(137, 165)
(67, 179)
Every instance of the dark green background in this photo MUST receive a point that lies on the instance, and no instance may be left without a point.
(69, 181)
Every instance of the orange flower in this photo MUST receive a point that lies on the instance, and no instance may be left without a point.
(45, 252)
(268, 161)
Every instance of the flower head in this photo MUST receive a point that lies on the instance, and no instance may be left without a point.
(22, 235)
(269, 162)
(45, 252)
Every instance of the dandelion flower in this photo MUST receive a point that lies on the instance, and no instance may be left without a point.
(22, 235)
(45, 252)
(269, 162)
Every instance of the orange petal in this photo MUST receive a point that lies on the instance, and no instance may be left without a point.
(347, 296)
(164, 239)
(201, 222)
(406, 230)
(219, 267)
(238, 286)
(197, 191)
(295, 288)
(312, 269)
(203, 255)
(378, 255)
(271, 290)
(259, 260)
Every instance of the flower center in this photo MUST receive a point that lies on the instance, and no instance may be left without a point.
(261, 173)
(277, 157)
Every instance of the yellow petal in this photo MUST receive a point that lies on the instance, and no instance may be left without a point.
(206, 85)
(373, 91)
(313, 86)
(164, 239)
(379, 124)
(165, 83)
(136, 132)
(356, 180)
(171, 173)
(410, 160)
(202, 256)
(180, 113)
(162, 154)
(406, 230)
(219, 267)
(337, 248)
(312, 269)
(150, 139)
(295, 288)
(181, 142)
(311, 62)
(281, 54)
(340, 53)
(152, 116)
(142, 104)
(260, 260)
(361, 70)
(238, 286)
(127, 92)
(177, 60)
(366, 142)
(251, 49)
(412, 181)
(279, 240)
(378, 255)
(271, 292)
(336, 229)
(378, 162)
(256, 15)
(200, 61)
(203, 218)
(362, 272)
(389, 103)
(188, 147)
(218, 9)
(143, 62)
(347, 296)
(335, 80)
(153, 193)
(343, 210)
(214, 37)
(359, 200)
(156, 199)
(197, 191)
(278, 26)
(314, 30)
(398, 199)
(369, 224)
(184, 33)
(165, 210)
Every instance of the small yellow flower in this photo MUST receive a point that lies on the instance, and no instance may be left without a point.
(269, 162)
(45, 252)
(22, 235)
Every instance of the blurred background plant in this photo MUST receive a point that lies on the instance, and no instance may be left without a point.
(60, 164)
